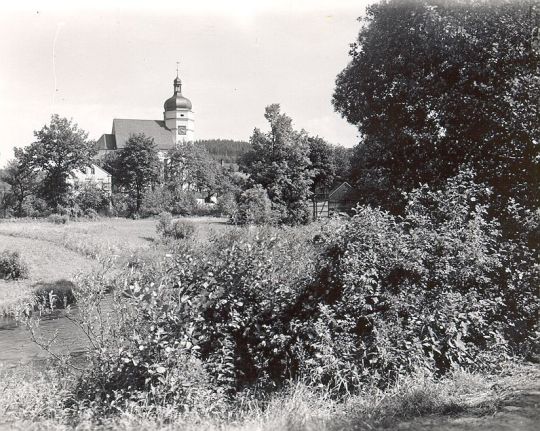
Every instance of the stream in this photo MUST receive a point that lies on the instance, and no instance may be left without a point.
(17, 346)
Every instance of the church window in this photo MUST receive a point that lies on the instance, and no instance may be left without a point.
(182, 130)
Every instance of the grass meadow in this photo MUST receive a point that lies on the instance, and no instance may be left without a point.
(56, 253)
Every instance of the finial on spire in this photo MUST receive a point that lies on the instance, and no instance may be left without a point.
(177, 65)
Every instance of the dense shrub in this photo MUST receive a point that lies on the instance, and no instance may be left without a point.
(254, 207)
(56, 295)
(58, 218)
(12, 267)
(227, 205)
(33, 206)
(363, 302)
(436, 288)
(91, 214)
(122, 205)
(90, 198)
(164, 223)
(182, 229)
(180, 202)
(175, 229)
(183, 203)
(172, 340)
(156, 200)
(72, 210)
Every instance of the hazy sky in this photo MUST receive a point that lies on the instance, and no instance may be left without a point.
(102, 60)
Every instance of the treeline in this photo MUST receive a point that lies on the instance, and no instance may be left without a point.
(185, 180)
(226, 150)
(272, 179)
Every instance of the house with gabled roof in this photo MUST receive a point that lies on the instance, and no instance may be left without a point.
(91, 174)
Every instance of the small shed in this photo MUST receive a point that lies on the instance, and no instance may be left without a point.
(341, 197)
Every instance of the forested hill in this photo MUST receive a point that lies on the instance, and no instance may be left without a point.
(227, 150)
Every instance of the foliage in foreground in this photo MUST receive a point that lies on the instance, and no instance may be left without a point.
(36, 400)
(352, 305)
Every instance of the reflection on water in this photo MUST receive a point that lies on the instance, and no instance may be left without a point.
(17, 346)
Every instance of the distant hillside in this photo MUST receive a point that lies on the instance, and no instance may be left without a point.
(226, 150)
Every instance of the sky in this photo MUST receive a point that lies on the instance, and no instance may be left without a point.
(100, 60)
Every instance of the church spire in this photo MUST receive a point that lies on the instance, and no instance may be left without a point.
(177, 81)
(178, 115)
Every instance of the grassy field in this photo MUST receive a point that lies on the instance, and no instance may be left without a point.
(56, 253)
(103, 237)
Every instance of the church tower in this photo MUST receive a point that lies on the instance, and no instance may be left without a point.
(178, 116)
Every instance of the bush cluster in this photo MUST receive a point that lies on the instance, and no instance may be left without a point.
(181, 202)
(58, 218)
(84, 200)
(254, 207)
(12, 267)
(175, 229)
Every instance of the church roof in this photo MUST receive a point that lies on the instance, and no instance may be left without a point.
(124, 128)
(106, 142)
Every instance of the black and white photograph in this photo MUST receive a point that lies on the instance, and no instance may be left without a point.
(270, 215)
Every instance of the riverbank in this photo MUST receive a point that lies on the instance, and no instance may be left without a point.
(51, 268)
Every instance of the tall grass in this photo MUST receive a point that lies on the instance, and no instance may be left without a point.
(36, 399)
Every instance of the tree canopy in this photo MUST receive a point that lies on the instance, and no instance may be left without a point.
(22, 181)
(321, 155)
(60, 148)
(190, 166)
(433, 85)
(279, 162)
(136, 166)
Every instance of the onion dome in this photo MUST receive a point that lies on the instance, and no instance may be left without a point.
(177, 101)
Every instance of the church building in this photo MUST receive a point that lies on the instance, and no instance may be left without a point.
(177, 126)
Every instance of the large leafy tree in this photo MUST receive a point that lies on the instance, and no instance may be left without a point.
(433, 85)
(60, 148)
(190, 166)
(321, 155)
(135, 167)
(279, 161)
(22, 179)
(342, 161)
